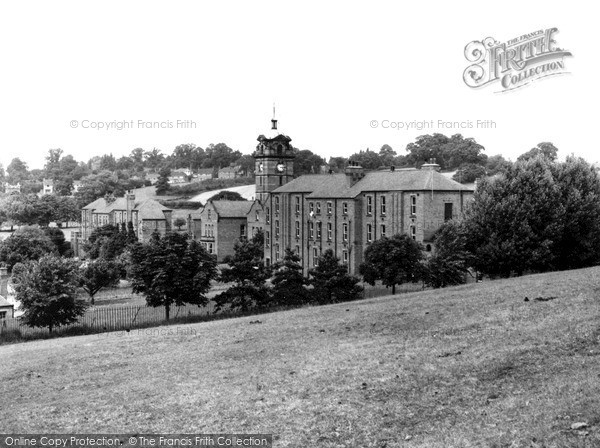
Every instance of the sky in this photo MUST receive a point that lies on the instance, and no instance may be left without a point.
(340, 73)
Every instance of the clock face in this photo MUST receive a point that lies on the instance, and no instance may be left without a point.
(280, 167)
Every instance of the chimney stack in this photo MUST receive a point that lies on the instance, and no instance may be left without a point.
(354, 171)
(130, 199)
(431, 166)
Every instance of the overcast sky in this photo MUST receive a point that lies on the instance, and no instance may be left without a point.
(331, 68)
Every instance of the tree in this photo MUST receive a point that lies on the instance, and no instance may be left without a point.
(107, 241)
(17, 171)
(153, 158)
(394, 261)
(162, 185)
(369, 160)
(219, 156)
(179, 222)
(544, 149)
(93, 275)
(514, 221)
(226, 195)
(246, 269)
(450, 263)
(497, 164)
(306, 162)
(469, 173)
(47, 291)
(57, 237)
(25, 244)
(288, 281)
(172, 270)
(331, 281)
(448, 152)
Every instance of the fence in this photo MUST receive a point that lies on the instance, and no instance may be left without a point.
(101, 319)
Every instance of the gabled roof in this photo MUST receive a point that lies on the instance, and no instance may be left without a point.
(97, 204)
(230, 169)
(151, 209)
(232, 209)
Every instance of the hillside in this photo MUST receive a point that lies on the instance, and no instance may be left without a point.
(470, 366)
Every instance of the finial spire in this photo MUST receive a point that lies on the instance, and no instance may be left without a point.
(274, 120)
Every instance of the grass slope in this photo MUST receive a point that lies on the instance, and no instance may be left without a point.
(470, 366)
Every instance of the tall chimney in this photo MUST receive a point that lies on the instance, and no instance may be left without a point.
(130, 199)
(354, 171)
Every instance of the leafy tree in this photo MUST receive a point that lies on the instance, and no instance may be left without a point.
(469, 173)
(106, 242)
(47, 291)
(246, 164)
(153, 158)
(162, 185)
(57, 237)
(450, 263)
(172, 270)
(514, 221)
(497, 164)
(449, 152)
(17, 171)
(369, 160)
(93, 275)
(544, 149)
(306, 162)
(394, 261)
(220, 155)
(337, 164)
(179, 222)
(288, 281)
(25, 244)
(131, 235)
(227, 195)
(246, 269)
(331, 281)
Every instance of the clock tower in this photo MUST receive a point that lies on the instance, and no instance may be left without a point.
(274, 162)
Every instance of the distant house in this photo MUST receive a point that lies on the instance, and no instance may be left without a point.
(152, 177)
(9, 188)
(147, 217)
(178, 177)
(77, 184)
(7, 309)
(203, 174)
(48, 186)
(230, 172)
(219, 224)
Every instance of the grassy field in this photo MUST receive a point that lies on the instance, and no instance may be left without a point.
(470, 366)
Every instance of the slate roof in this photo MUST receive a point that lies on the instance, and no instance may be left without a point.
(148, 209)
(232, 209)
(98, 203)
(339, 186)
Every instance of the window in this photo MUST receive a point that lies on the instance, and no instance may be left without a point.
(210, 248)
(297, 229)
(382, 231)
(345, 208)
(297, 198)
(369, 233)
(280, 180)
(345, 231)
(448, 211)
(242, 231)
(383, 205)
(268, 215)
(276, 204)
(319, 230)
(257, 216)
(311, 230)
(329, 208)
(315, 256)
(276, 252)
(276, 228)
(311, 207)
(209, 213)
(369, 205)
(297, 249)
(267, 238)
(329, 231)
(345, 257)
(413, 205)
(413, 232)
(318, 208)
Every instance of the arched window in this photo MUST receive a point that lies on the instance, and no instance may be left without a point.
(279, 149)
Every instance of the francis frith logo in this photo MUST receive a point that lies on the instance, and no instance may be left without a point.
(516, 62)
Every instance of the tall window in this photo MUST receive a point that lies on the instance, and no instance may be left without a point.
(345, 231)
(345, 208)
(311, 207)
(209, 213)
(413, 232)
(383, 205)
(448, 211)
(276, 228)
(382, 231)
(257, 216)
(329, 231)
(297, 229)
(369, 205)
(276, 252)
(329, 208)
(297, 249)
(315, 256)
(413, 205)
(268, 215)
(311, 230)
(319, 230)
(369, 233)
(297, 199)
(243, 231)
(345, 257)
(318, 208)
(268, 238)
(276, 204)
